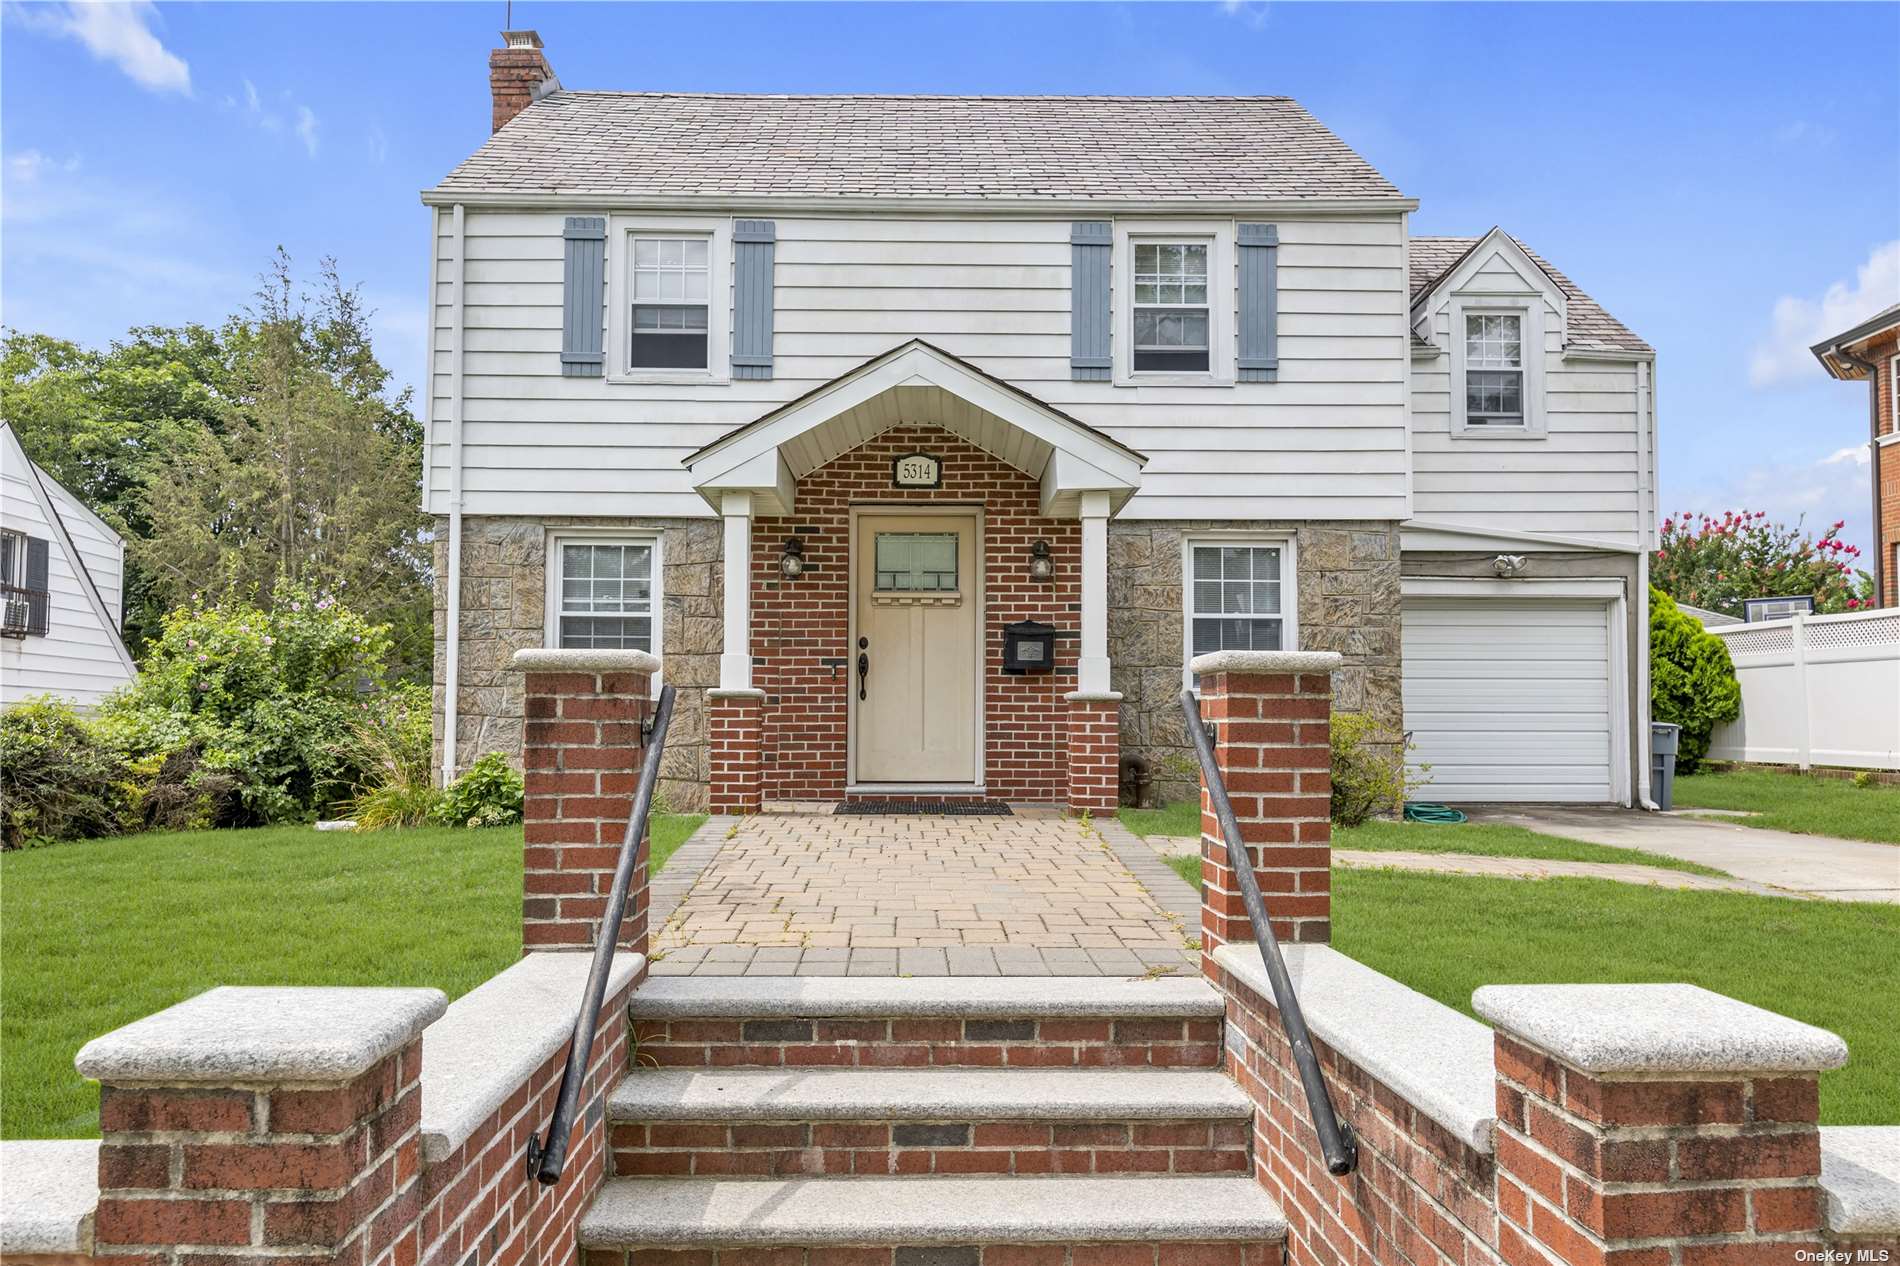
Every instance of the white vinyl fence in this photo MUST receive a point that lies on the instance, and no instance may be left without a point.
(1816, 690)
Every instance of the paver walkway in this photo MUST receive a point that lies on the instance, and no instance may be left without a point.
(1812, 865)
(809, 894)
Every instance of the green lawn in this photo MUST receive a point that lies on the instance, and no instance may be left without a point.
(95, 935)
(1797, 802)
(1826, 962)
(1183, 819)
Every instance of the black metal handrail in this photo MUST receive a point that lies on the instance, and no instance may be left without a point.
(1335, 1139)
(547, 1152)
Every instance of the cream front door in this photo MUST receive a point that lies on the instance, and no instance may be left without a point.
(914, 657)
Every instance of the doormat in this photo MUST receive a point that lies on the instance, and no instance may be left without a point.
(927, 808)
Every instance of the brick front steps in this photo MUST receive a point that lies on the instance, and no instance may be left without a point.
(814, 1122)
(938, 1222)
(1047, 1022)
(1092, 1096)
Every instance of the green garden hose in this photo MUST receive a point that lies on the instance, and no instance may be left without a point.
(1419, 811)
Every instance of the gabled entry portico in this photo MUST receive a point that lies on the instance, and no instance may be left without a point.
(897, 521)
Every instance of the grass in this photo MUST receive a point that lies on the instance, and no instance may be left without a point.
(1183, 819)
(1797, 802)
(1828, 963)
(98, 934)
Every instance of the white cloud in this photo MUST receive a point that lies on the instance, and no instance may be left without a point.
(29, 165)
(307, 129)
(377, 144)
(1252, 12)
(1817, 490)
(1799, 323)
(118, 32)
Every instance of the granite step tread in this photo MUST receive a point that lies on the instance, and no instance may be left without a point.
(696, 997)
(925, 1094)
(713, 1212)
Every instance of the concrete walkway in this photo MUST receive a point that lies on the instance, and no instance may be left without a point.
(813, 894)
(1810, 865)
(1543, 868)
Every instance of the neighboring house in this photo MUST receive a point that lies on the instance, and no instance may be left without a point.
(1164, 375)
(61, 575)
(1706, 618)
(1871, 352)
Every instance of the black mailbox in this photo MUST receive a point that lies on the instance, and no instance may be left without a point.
(1028, 647)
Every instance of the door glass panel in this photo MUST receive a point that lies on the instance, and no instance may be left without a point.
(910, 562)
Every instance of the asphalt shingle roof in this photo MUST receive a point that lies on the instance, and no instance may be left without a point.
(1159, 148)
(1590, 327)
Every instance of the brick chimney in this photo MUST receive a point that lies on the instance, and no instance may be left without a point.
(518, 75)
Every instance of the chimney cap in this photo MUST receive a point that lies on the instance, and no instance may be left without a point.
(520, 39)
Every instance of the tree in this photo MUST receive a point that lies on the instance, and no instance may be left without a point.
(269, 448)
(1715, 563)
(312, 478)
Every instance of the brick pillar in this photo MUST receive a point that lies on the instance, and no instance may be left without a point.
(1654, 1123)
(1271, 712)
(1094, 752)
(581, 753)
(269, 1123)
(736, 734)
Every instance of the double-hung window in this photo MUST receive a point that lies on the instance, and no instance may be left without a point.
(1239, 596)
(1494, 369)
(1170, 308)
(604, 594)
(671, 289)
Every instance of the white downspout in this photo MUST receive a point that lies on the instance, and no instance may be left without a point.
(453, 652)
(1646, 384)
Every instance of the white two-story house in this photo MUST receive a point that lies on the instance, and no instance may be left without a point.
(917, 434)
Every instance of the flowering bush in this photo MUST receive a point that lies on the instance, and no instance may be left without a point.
(1691, 679)
(266, 697)
(1714, 563)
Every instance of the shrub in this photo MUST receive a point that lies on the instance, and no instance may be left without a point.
(395, 740)
(59, 778)
(266, 698)
(487, 794)
(1369, 776)
(1691, 679)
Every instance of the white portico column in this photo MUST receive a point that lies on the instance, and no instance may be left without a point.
(1092, 667)
(735, 664)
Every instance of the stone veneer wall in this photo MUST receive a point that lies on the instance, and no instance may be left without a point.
(1348, 586)
(504, 598)
(1348, 595)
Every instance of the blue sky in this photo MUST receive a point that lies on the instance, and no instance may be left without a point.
(1724, 178)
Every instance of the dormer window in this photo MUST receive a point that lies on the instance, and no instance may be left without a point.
(1171, 314)
(1494, 369)
(671, 285)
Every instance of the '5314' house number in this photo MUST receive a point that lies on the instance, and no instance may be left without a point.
(917, 470)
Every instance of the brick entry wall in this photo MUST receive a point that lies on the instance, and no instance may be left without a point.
(801, 652)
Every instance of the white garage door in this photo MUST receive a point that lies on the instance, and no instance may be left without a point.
(1509, 700)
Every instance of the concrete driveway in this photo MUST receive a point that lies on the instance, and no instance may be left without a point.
(1811, 865)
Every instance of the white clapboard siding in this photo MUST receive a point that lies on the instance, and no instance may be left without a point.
(1508, 700)
(80, 658)
(1586, 476)
(99, 547)
(1326, 440)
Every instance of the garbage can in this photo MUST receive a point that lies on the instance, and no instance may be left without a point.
(1663, 741)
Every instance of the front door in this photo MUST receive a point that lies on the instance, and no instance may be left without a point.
(914, 660)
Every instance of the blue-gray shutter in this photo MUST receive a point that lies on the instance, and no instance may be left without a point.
(38, 586)
(1091, 318)
(583, 290)
(754, 246)
(1259, 303)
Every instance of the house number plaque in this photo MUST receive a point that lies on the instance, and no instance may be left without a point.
(917, 470)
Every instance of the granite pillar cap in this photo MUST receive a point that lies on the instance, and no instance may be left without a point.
(1681, 1029)
(235, 1035)
(584, 661)
(1265, 662)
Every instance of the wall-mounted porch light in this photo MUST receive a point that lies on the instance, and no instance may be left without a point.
(1041, 566)
(791, 563)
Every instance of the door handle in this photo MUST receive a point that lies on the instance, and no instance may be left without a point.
(864, 667)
